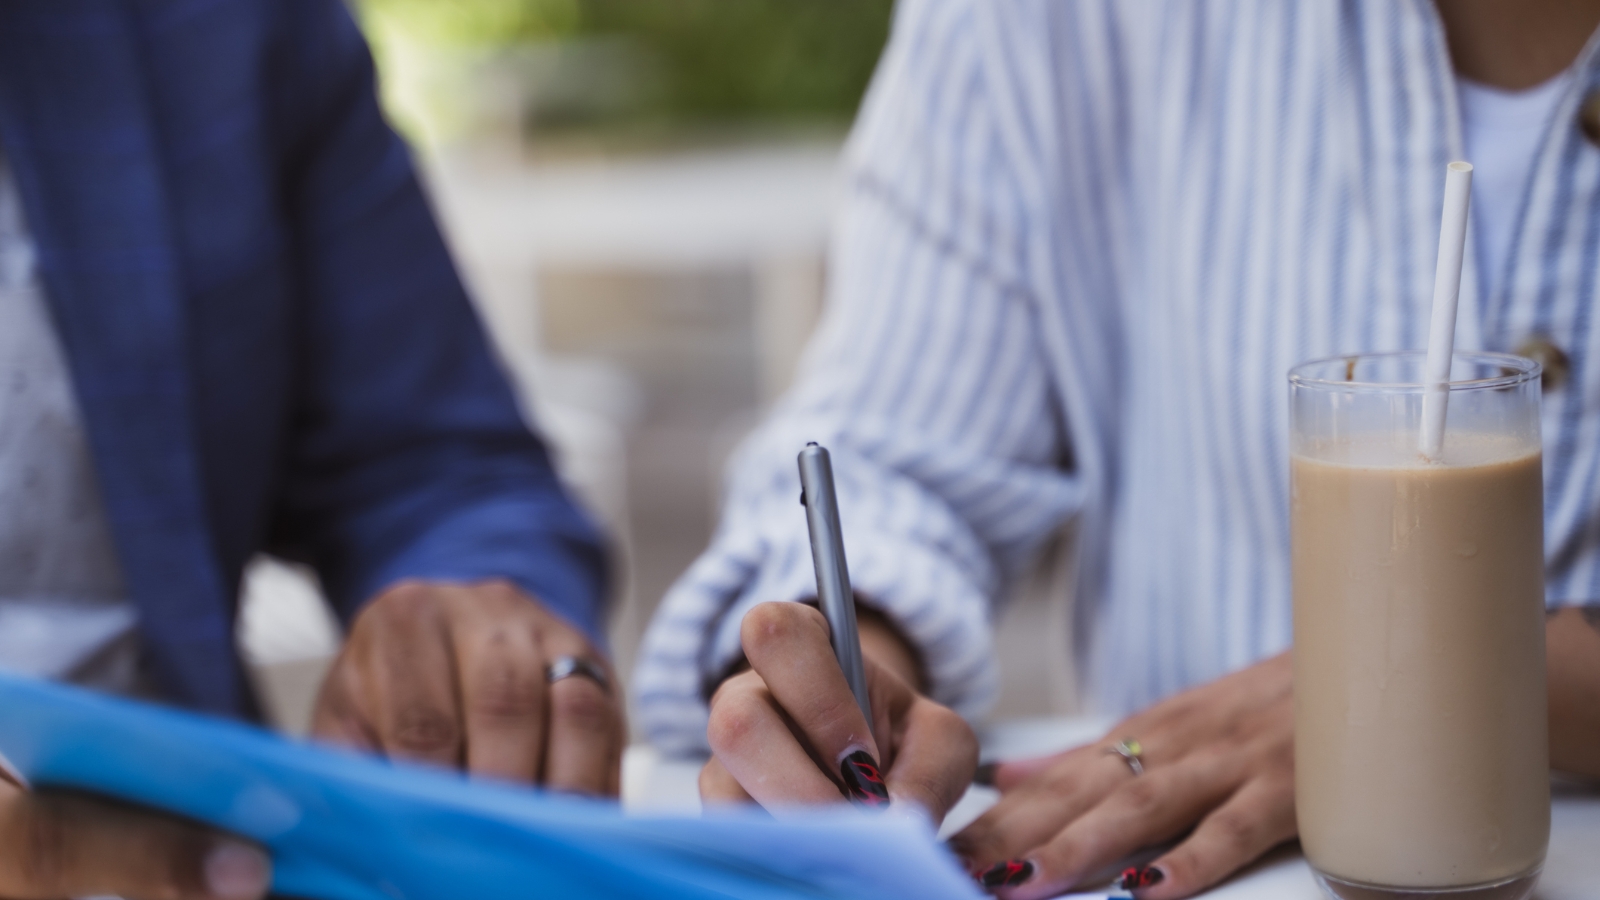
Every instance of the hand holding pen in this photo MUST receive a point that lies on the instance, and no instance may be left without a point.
(795, 729)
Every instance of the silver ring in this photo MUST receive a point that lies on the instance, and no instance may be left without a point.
(1131, 752)
(568, 666)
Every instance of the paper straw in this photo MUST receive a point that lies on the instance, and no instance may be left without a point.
(1446, 297)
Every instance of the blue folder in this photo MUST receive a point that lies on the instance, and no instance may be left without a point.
(343, 827)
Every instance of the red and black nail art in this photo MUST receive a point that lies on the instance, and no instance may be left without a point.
(1140, 877)
(1009, 873)
(863, 780)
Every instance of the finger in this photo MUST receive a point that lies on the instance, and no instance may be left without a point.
(934, 759)
(757, 747)
(335, 720)
(1254, 820)
(1147, 810)
(718, 786)
(585, 732)
(1007, 775)
(411, 681)
(54, 847)
(502, 672)
(787, 645)
(1025, 819)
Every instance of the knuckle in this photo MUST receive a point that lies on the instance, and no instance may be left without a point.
(580, 704)
(505, 685)
(410, 601)
(929, 787)
(501, 588)
(504, 698)
(958, 738)
(1142, 797)
(828, 716)
(426, 730)
(735, 720)
(503, 598)
(777, 624)
(1235, 832)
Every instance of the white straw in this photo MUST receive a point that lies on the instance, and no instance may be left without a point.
(1446, 295)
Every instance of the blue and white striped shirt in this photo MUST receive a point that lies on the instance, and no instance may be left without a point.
(1082, 243)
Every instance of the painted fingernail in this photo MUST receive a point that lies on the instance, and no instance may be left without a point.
(864, 780)
(235, 871)
(985, 774)
(1010, 873)
(1140, 877)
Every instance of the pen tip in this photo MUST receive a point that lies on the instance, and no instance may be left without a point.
(811, 443)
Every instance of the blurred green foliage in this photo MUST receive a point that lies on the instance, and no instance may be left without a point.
(701, 62)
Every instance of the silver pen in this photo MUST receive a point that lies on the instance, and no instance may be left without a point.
(837, 600)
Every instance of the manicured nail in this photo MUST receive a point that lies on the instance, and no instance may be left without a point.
(235, 871)
(864, 780)
(1010, 873)
(985, 774)
(1140, 877)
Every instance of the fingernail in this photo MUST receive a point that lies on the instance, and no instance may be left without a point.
(864, 780)
(1140, 877)
(911, 809)
(1010, 873)
(236, 871)
(985, 774)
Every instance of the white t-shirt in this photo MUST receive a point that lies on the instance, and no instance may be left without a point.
(1503, 131)
(63, 609)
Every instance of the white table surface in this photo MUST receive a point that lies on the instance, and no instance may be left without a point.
(652, 784)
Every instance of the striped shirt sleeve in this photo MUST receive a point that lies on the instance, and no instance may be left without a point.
(926, 382)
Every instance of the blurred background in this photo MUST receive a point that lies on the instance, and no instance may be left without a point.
(638, 193)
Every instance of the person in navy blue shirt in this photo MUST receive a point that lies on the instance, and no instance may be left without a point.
(270, 350)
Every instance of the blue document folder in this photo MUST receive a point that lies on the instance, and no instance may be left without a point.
(342, 827)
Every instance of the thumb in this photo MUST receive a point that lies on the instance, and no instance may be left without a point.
(70, 846)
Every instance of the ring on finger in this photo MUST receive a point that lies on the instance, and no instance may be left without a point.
(568, 666)
(1131, 752)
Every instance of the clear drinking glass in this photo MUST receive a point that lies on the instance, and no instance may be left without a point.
(1421, 744)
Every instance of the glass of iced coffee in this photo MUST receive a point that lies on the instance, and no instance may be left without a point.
(1421, 756)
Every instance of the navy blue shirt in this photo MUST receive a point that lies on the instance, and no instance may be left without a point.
(270, 346)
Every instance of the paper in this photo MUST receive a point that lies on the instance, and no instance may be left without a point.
(340, 827)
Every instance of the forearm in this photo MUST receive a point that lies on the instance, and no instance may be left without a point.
(1573, 641)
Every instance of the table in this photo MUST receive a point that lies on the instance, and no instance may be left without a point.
(653, 784)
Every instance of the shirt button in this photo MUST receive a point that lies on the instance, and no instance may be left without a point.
(1589, 116)
(1555, 362)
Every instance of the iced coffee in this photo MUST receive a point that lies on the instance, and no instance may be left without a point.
(1421, 758)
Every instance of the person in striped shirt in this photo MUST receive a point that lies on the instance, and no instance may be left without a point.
(1081, 244)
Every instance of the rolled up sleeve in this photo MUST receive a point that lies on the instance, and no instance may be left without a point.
(927, 383)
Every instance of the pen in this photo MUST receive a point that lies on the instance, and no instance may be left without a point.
(833, 577)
